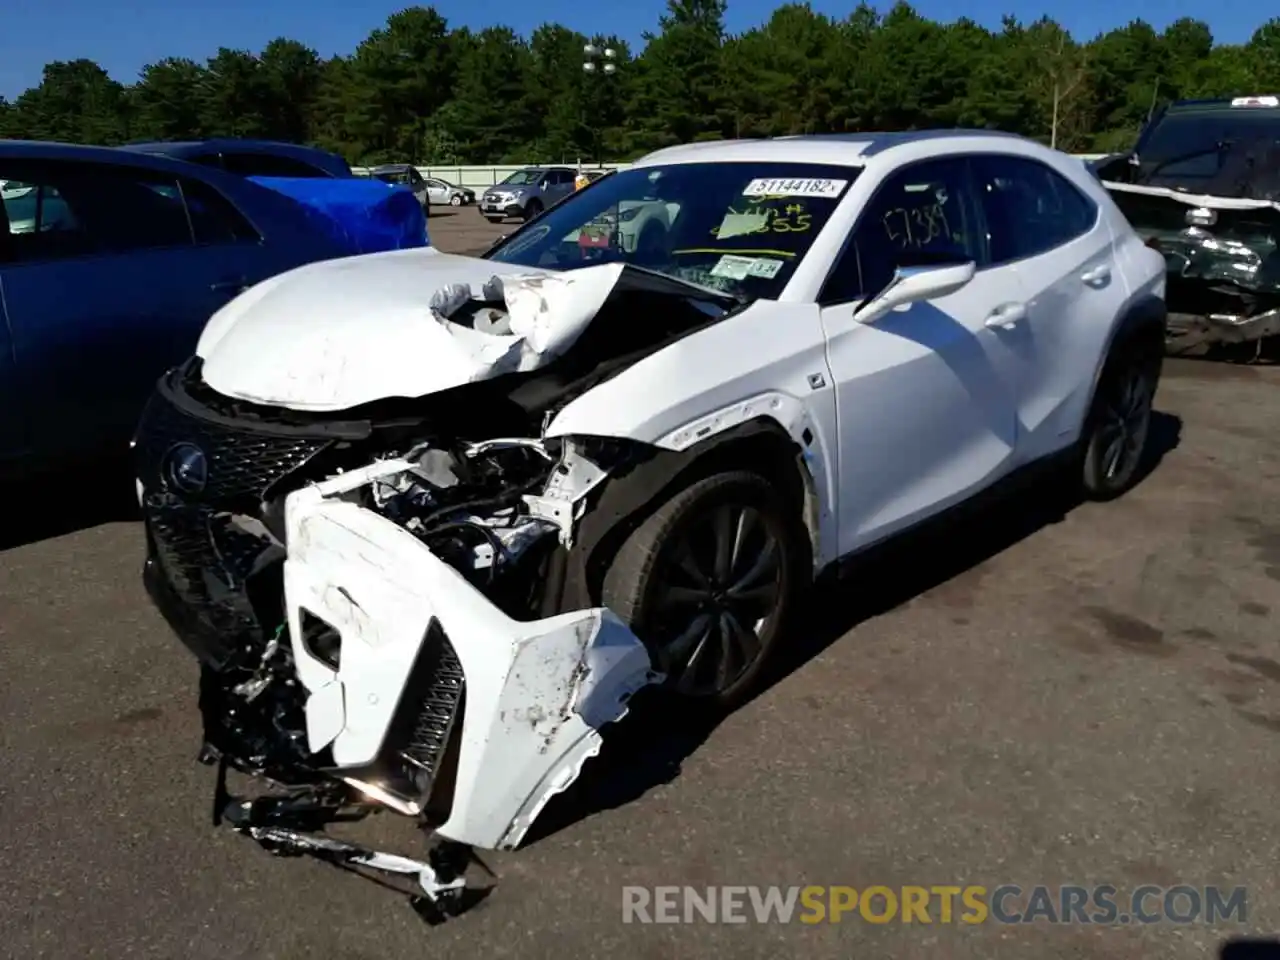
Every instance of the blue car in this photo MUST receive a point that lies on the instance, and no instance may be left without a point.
(111, 261)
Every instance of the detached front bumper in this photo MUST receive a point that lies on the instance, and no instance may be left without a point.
(404, 666)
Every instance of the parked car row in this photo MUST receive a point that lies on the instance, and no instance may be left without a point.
(523, 195)
(429, 190)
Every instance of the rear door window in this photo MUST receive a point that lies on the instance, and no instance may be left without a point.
(61, 210)
(1030, 208)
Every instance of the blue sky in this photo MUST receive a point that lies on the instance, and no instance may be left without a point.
(123, 35)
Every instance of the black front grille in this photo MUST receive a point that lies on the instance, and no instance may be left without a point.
(242, 463)
(197, 539)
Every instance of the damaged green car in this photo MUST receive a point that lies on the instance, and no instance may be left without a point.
(1202, 186)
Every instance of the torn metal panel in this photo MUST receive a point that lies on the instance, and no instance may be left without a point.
(1223, 260)
(537, 692)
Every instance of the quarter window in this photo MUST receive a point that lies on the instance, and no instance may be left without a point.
(1030, 208)
(924, 213)
(214, 219)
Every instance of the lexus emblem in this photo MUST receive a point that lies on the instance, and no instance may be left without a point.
(186, 468)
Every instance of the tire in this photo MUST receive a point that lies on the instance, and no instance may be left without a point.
(455, 201)
(1112, 450)
(532, 210)
(649, 586)
(494, 219)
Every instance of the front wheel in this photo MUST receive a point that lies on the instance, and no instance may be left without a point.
(455, 201)
(494, 219)
(1114, 443)
(532, 210)
(708, 583)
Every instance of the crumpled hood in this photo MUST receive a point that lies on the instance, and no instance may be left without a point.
(340, 333)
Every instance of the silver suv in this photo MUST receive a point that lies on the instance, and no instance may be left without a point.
(526, 193)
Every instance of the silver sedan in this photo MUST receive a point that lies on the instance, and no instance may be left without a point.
(443, 192)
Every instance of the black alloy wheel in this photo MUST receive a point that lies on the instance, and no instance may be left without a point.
(708, 582)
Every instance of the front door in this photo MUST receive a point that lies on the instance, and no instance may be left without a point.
(925, 409)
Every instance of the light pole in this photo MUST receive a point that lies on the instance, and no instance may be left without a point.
(591, 54)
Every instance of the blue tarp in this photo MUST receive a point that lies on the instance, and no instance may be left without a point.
(366, 215)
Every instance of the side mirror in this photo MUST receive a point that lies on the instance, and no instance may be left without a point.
(913, 284)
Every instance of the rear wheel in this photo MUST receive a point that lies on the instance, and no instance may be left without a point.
(1114, 442)
(455, 201)
(708, 583)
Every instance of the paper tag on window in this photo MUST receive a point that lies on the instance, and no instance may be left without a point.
(733, 268)
(740, 224)
(765, 267)
(795, 187)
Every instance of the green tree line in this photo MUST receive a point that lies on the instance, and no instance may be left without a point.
(417, 90)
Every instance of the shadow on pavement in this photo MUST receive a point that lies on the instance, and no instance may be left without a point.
(1245, 948)
(74, 498)
(647, 748)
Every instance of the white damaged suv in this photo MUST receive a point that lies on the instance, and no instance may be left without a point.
(430, 520)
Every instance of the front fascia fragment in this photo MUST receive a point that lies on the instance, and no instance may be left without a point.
(536, 692)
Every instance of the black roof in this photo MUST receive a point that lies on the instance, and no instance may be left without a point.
(50, 150)
(181, 149)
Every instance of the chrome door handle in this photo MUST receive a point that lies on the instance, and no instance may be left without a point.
(1006, 316)
(1098, 275)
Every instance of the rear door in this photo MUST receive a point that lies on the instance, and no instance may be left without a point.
(1064, 253)
(561, 184)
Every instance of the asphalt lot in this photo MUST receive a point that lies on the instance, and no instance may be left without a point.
(1033, 698)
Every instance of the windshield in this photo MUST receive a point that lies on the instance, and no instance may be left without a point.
(393, 176)
(523, 178)
(1191, 147)
(740, 228)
